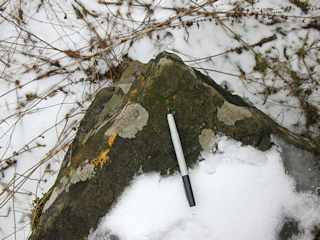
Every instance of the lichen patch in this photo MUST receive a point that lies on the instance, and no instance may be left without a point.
(81, 174)
(125, 87)
(130, 121)
(56, 192)
(230, 113)
(207, 139)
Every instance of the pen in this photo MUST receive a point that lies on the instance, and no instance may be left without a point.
(180, 157)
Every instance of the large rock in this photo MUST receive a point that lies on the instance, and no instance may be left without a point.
(125, 130)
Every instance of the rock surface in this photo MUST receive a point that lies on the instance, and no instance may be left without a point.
(125, 131)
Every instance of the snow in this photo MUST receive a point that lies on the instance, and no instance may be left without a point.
(35, 133)
(240, 192)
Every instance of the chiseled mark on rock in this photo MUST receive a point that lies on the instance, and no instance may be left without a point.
(131, 120)
(75, 176)
(230, 113)
(207, 139)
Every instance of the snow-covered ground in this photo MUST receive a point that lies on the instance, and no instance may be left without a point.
(240, 193)
(53, 62)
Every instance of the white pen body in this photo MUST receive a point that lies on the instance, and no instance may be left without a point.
(177, 145)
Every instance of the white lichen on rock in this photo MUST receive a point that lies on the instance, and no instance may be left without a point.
(230, 113)
(130, 121)
(56, 192)
(207, 139)
(81, 174)
(125, 87)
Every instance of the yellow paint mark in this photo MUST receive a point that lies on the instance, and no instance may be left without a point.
(132, 94)
(134, 91)
(104, 158)
(111, 139)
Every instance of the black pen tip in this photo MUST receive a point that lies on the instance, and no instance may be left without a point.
(169, 111)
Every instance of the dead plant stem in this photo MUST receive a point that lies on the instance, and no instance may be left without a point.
(134, 35)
